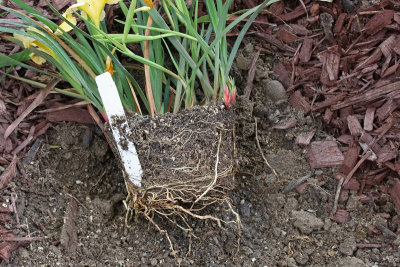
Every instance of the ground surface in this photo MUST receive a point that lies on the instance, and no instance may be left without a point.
(73, 196)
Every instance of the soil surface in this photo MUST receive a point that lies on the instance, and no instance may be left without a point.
(73, 196)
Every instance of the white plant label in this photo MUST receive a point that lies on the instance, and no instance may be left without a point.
(113, 108)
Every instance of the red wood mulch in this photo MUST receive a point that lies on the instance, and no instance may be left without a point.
(344, 68)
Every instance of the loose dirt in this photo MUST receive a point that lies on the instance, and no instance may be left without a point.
(73, 195)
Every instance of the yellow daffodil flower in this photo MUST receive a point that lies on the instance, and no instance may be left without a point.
(94, 9)
(31, 42)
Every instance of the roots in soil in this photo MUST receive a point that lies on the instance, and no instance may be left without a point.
(187, 162)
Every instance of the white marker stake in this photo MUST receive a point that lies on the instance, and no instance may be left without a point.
(113, 107)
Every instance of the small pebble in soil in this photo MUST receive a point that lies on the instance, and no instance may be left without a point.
(275, 91)
(276, 231)
(327, 224)
(23, 253)
(306, 222)
(301, 258)
(88, 253)
(291, 262)
(375, 255)
(291, 204)
(348, 246)
(396, 242)
(56, 251)
(153, 262)
(245, 210)
(353, 203)
(87, 137)
(270, 179)
(349, 261)
(348, 6)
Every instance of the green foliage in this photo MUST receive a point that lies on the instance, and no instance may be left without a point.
(179, 55)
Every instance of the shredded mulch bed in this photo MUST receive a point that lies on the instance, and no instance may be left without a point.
(341, 65)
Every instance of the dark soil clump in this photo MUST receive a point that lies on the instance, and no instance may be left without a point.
(184, 147)
(188, 167)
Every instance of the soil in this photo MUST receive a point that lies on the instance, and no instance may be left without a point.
(73, 195)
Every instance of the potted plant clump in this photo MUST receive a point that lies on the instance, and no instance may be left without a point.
(178, 153)
(186, 145)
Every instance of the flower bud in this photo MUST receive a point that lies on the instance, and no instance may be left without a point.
(226, 97)
(233, 96)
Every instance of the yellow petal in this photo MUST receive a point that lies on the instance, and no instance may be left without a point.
(44, 48)
(37, 59)
(65, 26)
(33, 29)
(109, 66)
(92, 8)
(73, 8)
(26, 41)
(149, 3)
(143, 8)
(31, 42)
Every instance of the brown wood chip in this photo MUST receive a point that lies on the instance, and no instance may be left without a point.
(369, 119)
(283, 74)
(272, 40)
(8, 174)
(299, 29)
(286, 36)
(339, 23)
(38, 100)
(384, 111)
(323, 154)
(341, 216)
(329, 101)
(352, 184)
(354, 125)
(305, 52)
(375, 57)
(330, 69)
(70, 114)
(298, 12)
(368, 96)
(350, 159)
(387, 152)
(395, 193)
(285, 125)
(379, 21)
(304, 139)
(299, 102)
